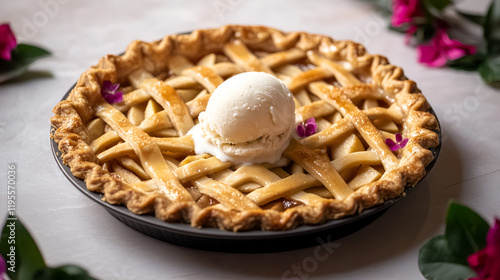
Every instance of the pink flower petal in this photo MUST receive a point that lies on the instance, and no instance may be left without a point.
(403, 143)
(398, 137)
(441, 49)
(430, 56)
(5, 54)
(445, 40)
(7, 42)
(114, 98)
(300, 130)
(306, 129)
(476, 262)
(493, 250)
(109, 87)
(108, 91)
(391, 144)
(404, 11)
(311, 127)
(453, 54)
(114, 87)
(486, 262)
(3, 266)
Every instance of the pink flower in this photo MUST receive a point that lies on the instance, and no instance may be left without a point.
(399, 144)
(306, 129)
(110, 93)
(441, 49)
(486, 262)
(404, 11)
(7, 42)
(3, 268)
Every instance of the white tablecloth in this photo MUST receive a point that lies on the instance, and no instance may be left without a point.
(70, 228)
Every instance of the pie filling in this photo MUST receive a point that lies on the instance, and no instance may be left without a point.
(144, 144)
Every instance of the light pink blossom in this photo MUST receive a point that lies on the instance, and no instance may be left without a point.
(441, 49)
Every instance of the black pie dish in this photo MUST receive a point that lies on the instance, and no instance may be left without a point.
(257, 241)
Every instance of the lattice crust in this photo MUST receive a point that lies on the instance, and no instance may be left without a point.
(139, 153)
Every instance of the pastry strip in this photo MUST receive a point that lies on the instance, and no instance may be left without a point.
(307, 77)
(225, 194)
(179, 145)
(344, 77)
(278, 189)
(281, 58)
(198, 168)
(148, 152)
(318, 165)
(205, 76)
(165, 96)
(239, 53)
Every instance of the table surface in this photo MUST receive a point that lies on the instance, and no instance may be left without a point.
(70, 228)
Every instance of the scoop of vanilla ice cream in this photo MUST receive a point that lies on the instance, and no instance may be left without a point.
(249, 119)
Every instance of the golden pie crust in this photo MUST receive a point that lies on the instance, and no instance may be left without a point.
(138, 152)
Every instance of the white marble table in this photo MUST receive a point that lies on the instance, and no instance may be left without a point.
(70, 228)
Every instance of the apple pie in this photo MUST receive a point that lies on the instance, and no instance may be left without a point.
(361, 130)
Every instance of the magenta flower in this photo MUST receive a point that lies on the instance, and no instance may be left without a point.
(404, 11)
(441, 49)
(486, 262)
(306, 129)
(3, 268)
(7, 42)
(110, 93)
(399, 144)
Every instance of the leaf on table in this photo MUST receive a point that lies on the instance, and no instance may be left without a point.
(490, 71)
(478, 19)
(66, 272)
(22, 56)
(436, 261)
(437, 4)
(465, 231)
(28, 259)
(491, 30)
(468, 62)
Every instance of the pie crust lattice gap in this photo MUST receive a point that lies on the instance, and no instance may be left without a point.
(138, 152)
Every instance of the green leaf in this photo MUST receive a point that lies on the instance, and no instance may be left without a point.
(22, 56)
(490, 71)
(28, 53)
(436, 261)
(465, 231)
(66, 272)
(491, 30)
(468, 62)
(437, 4)
(478, 19)
(17, 242)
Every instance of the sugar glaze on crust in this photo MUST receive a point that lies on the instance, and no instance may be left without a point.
(403, 168)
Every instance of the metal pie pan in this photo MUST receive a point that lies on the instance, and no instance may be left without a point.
(256, 241)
